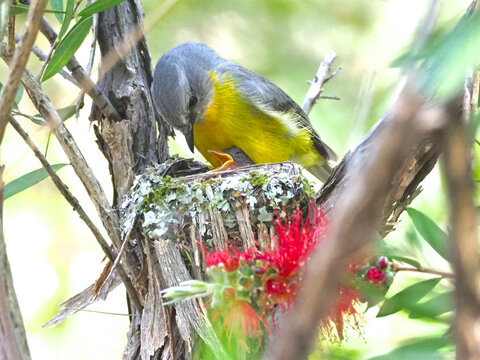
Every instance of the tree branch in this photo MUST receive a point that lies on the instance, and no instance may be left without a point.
(357, 208)
(71, 199)
(19, 61)
(13, 339)
(86, 83)
(463, 237)
(323, 75)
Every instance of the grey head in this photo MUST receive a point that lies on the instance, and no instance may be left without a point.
(182, 88)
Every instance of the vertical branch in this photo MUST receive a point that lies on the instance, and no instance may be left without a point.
(11, 33)
(13, 340)
(464, 238)
(19, 61)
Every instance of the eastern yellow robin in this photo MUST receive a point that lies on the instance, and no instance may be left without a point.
(218, 105)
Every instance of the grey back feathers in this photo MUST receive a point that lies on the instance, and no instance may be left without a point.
(182, 89)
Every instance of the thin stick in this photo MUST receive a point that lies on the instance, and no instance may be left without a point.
(19, 61)
(86, 83)
(11, 33)
(322, 76)
(63, 189)
(72, 200)
(42, 56)
(397, 268)
(84, 172)
(47, 58)
(27, 116)
(91, 58)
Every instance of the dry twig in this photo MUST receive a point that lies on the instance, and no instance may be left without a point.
(71, 199)
(316, 88)
(19, 61)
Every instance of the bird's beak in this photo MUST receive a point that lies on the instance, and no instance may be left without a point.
(189, 137)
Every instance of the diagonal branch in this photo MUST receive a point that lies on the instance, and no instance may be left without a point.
(71, 199)
(357, 208)
(85, 82)
(19, 61)
(84, 172)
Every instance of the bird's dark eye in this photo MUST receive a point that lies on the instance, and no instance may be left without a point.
(192, 101)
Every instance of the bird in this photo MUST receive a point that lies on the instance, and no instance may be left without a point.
(219, 105)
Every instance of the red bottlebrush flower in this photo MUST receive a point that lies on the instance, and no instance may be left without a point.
(375, 276)
(229, 258)
(267, 275)
(343, 310)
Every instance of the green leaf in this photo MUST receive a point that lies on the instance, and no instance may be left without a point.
(23, 9)
(434, 307)
(18, 96)
(407, 297)
(58, 6)
(64, 113)
(67, 47)
(419, 348)
(27, 180)
(68, 18)
(430, 231)
(98, 6)
(406, 260)
(448, 58)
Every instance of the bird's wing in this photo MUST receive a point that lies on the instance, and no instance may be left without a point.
(266, 95)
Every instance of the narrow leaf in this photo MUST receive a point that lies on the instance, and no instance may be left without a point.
(23, 9)
(434, 307)
(67, 19)
(98, 6)
(67, 47)
(429, 231)
(64, 113)
(28, 180)
(420, 348)
(18, 96)
(58, 6)
(407, 297)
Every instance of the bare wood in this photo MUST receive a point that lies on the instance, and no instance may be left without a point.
(86, 83)
(66, 193)
(108, 217)
(42, 56)
(11, 33)
(463, 237)
(19, 61)
(356, 212)
(13, 339)
(323, 75)
(121, 36)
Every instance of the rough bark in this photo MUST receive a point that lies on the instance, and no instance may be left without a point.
(131, 144)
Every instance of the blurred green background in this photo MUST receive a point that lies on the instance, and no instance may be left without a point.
(53, 255)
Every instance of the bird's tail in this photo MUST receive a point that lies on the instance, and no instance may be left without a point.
(321, 170)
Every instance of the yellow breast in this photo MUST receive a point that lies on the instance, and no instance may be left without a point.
(265, 136)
